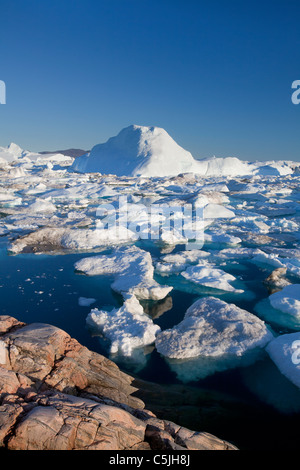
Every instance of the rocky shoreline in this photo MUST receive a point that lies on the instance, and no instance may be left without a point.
(55, 394)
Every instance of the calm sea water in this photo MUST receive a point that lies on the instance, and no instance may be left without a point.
(256, 407)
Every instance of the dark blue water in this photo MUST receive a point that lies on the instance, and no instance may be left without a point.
(45, 288)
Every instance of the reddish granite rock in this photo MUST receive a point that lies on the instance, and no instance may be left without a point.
(56, 394)
(8, 323)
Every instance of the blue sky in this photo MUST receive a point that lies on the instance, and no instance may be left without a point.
(216, 74)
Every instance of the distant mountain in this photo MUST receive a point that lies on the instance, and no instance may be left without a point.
(74, 153)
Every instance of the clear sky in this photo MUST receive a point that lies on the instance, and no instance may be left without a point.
(216, 74)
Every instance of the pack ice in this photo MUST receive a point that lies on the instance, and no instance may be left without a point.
(213, 336)
(132, 269)
(127, 328)
(213, 328)
(285, 353)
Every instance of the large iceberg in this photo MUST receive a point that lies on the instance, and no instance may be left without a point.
(213, 336)
(213, 328)
(150, 151)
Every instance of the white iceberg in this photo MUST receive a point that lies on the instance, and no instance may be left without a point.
(287, 300)
(210, 277)
(285, 353)
(213, 328)
(137, 150)
(132, 269)
(177, 262)
(215, 211)
(150, 151)
(127, 327)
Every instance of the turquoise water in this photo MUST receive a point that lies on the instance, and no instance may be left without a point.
(45, 288)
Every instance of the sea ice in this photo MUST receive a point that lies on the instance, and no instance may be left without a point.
(215, 211)
(285, 353)
(210, 277)
(85, 301)
(287, 300)
(132, 270)
(213, 328)
(127, 327)
(177, 262)
(215, 335)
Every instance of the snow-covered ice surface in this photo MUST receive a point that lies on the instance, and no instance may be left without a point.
(216, 333)
(127, 328)
(249, 256)
(210, 277)
(285, 352)
(132, 269)
(150, 151)
(287, 300)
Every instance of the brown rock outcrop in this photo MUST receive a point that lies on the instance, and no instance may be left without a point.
(55, 394)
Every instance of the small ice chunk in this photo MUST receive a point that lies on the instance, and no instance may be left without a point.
(238, 253)
(219, 237)
(285, 353)
(210, 277)
(127, 327)
(287, 300)
(215, 211)
(43, 206)
(85, 301)
(177, 262)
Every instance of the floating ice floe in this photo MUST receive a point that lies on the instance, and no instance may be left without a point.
(60, 238)
(85, 301)
(214, 335)
(215, 211)
(177, 262)
(287, 300)
(219, 237)
(272, 259)
(40, 241)
(210, 277)
(87, 239)
(127, 327)
(132, 270)
(285, 353)
(237, 253)
(41, 205)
